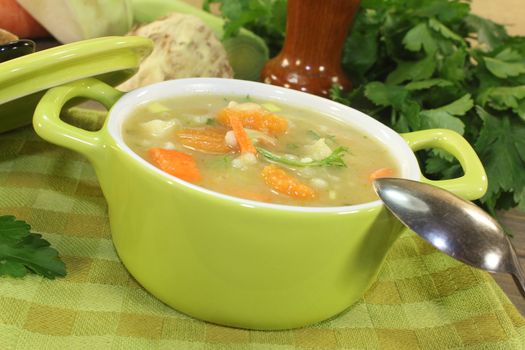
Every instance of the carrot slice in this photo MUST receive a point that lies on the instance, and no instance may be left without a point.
(176, 163)
(255, 119)
(207, 140)
(244, 142)
(381, 172)
(284, 183)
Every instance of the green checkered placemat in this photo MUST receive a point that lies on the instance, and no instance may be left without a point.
(422, 298)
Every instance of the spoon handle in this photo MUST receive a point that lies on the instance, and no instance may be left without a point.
(520, 283)
(517, 275)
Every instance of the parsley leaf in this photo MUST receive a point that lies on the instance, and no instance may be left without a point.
(427, 84)
(437, 164)
(334, 159)
(267, 18)
(412, 70)
(505, 97)
(459, 107)
(445, 31)
(386, 95)
(446, 117)
(420, 37)
(360, 51)
(488, 33)
(453, 66)
(504, 69)
(440, 119)
(12, 230)
(22, 251)
(501, 146)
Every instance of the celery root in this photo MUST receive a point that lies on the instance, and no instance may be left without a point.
(184, 46)
(247, 53)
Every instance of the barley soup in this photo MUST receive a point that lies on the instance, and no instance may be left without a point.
(259, 150)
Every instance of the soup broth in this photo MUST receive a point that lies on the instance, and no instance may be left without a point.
(258, 150)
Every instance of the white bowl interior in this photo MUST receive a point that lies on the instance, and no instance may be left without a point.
(377, 131)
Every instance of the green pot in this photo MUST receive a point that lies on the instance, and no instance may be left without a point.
(232, 261)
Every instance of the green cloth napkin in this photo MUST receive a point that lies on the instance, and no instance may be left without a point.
(421, 300)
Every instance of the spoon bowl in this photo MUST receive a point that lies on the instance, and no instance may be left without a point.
(451, 224)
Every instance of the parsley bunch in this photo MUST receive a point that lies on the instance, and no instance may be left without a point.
(22, 251)
(433, 64)
(265, 17)
(420, 64)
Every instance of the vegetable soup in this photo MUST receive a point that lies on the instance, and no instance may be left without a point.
(262, 151)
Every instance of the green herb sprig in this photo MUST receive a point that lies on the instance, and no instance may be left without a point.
(267, 17)
(23, 252)
(334, 159)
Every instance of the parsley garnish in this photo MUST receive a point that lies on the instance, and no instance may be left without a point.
(22, 251)
(314, 135)
(334, 159)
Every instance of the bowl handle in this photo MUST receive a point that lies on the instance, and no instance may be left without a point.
(49, 126)
(473, 184)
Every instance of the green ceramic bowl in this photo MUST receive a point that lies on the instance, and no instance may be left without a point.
(232, 261)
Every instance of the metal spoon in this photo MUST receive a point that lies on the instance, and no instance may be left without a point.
(451, 224)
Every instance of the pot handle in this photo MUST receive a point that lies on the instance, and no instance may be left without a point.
(49, 126)
(473, 184)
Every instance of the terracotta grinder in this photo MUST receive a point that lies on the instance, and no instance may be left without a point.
(310, 60)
